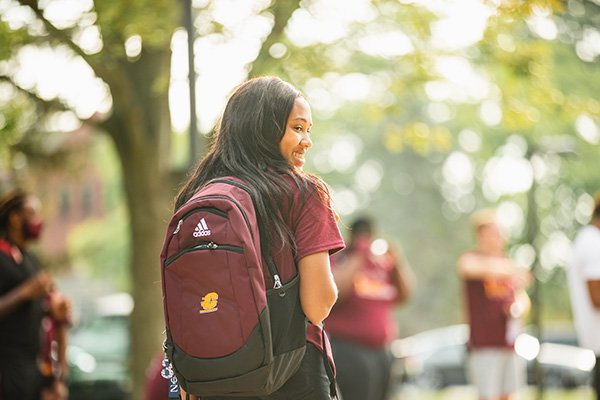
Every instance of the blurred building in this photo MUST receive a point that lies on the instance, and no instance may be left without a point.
(59, 169)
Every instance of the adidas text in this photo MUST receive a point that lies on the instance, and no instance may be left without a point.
(201, 229)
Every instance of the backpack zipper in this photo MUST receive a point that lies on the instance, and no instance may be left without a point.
(178, 226)
(270, 265)
(205, 246)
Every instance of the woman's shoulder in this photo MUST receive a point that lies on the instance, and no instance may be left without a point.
(306, 182)
(307, 194)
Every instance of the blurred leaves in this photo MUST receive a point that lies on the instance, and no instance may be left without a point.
(10, 39)
(418, 136)
(100, 249)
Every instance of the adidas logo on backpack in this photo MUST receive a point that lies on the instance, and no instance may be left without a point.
(201, 229)
(227, 334)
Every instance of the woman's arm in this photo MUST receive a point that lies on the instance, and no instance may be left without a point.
(318, 292)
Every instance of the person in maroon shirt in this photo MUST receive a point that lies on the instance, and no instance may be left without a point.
(372, 281)
(263, 138)
(496, 302)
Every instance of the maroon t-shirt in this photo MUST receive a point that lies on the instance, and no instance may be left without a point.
(366, 316)
(315, 230)
(488, 303)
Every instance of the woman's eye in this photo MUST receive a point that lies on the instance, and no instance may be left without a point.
(298, 128)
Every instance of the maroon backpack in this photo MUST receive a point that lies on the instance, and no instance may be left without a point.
(226, 333)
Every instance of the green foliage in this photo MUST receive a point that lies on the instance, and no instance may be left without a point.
(17, 116)
(100, 249)
(153, 20)
(10, 39)
(518, 9)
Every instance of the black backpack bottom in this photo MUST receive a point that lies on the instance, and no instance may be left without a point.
(271, 355)
(273, 376)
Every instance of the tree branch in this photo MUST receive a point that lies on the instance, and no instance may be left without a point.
(62, 36)
(47, 105)
(282, 12)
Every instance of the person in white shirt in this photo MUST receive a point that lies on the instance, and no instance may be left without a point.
(584, 287)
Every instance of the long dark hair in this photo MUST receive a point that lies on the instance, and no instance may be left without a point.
(246, 145)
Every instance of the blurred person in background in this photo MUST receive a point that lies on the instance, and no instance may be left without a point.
(496, 304)
(584, 287)
(33, 316)
(372, 280)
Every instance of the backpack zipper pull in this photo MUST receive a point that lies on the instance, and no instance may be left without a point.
(178, 227)
(277, 282)
(212, 245)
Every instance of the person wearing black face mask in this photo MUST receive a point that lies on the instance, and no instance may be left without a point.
(27, 297)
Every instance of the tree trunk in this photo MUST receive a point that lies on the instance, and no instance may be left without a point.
(140, 129)
(147, 194)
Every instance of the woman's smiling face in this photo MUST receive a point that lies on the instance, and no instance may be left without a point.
(296, 139)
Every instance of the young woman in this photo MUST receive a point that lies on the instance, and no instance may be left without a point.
(263, 138)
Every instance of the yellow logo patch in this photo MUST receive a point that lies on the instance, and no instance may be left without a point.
(209, 303)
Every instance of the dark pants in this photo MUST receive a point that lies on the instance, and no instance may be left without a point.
(363, 373)
(596, 378)
(309, 383)
(20, 380)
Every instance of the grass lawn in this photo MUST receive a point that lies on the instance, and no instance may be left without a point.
(468, 393)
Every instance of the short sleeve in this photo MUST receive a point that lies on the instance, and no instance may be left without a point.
(589, 256)
(315, 227)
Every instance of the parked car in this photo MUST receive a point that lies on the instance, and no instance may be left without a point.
(98, 351)
(437, 358)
